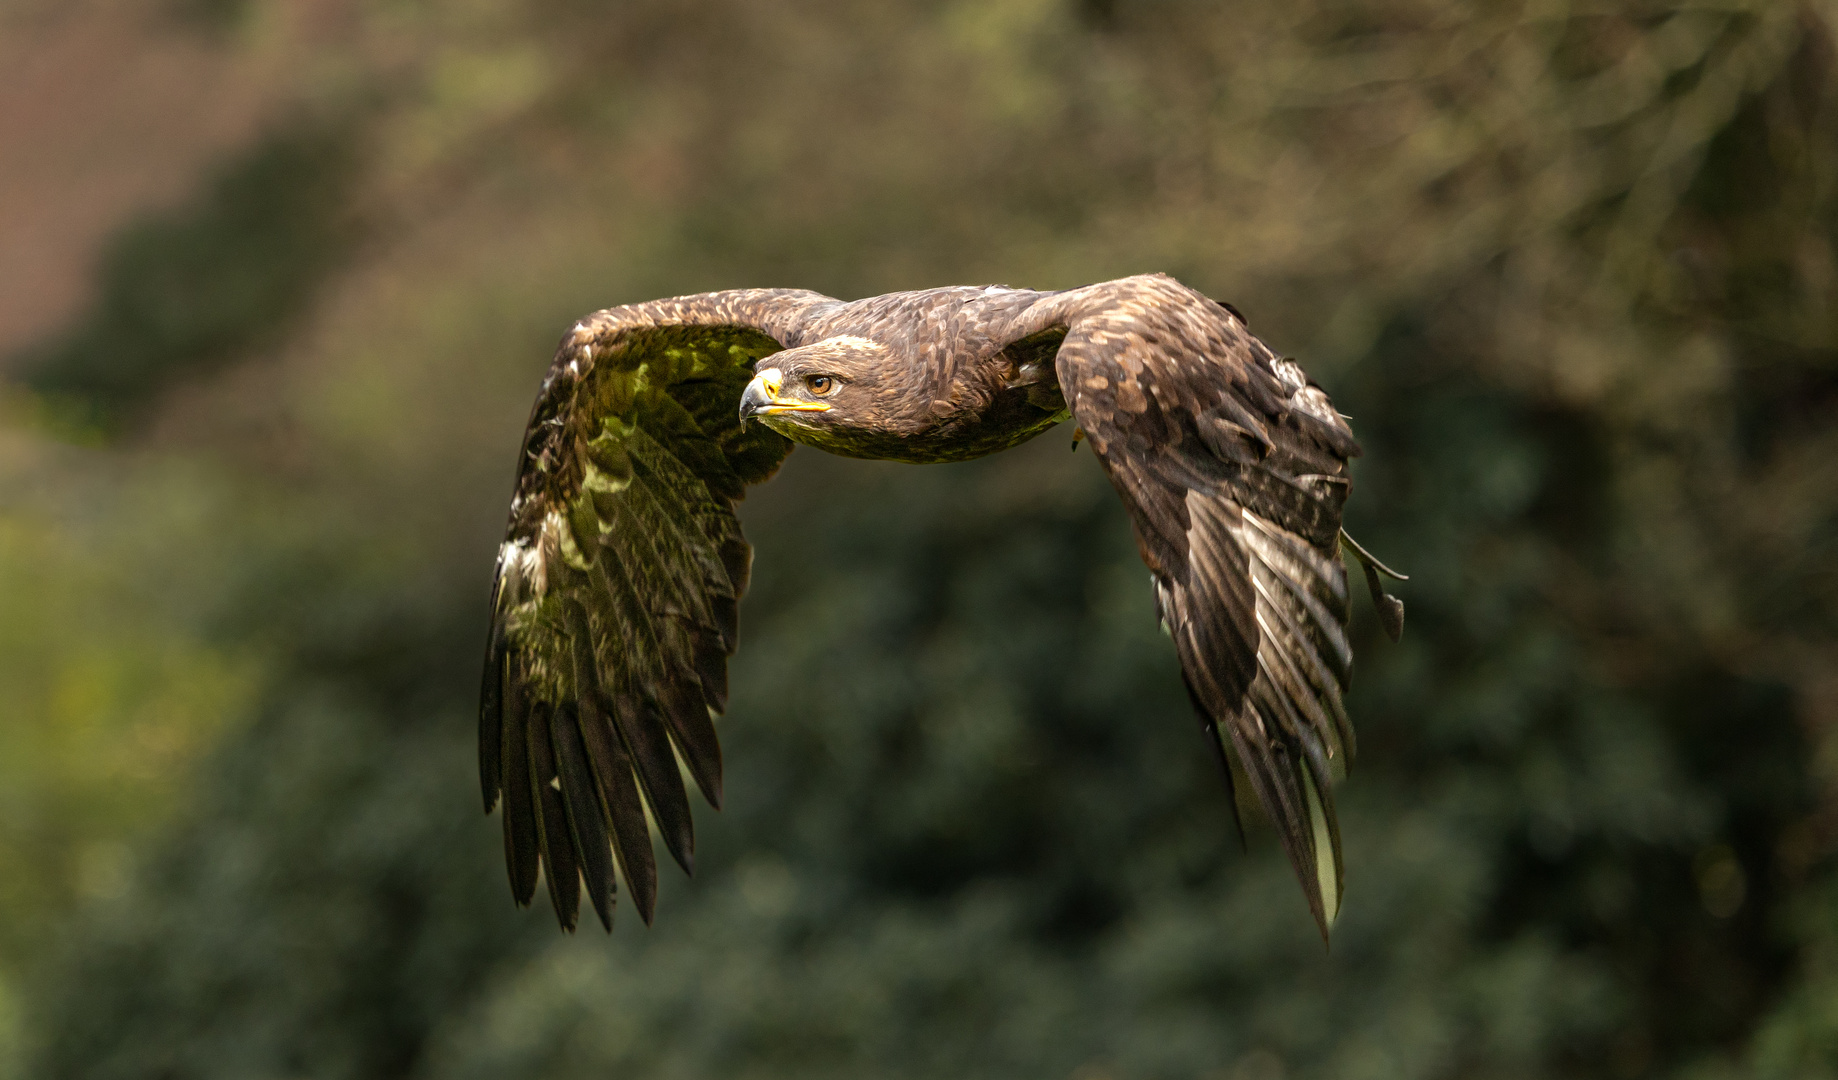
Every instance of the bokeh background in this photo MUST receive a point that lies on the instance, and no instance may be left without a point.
(278, 279)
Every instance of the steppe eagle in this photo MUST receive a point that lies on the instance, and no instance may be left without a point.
(614, 602)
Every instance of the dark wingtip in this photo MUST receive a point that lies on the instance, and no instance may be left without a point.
(586, 814)
(674, 824)
(693, 732)
(644, 899)
(523, 889)
(521, 847)
(491, 720)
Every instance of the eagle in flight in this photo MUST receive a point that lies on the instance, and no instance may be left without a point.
(613, 609)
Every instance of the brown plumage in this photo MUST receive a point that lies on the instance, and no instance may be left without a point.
(614, 608)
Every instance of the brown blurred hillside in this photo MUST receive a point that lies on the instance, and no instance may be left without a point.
(106, 111)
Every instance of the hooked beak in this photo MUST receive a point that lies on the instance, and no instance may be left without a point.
(762, 397)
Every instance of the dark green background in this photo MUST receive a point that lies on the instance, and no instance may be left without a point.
(1571, 270)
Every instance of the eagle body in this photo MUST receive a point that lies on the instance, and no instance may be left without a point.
(615, 602)
(934, 378)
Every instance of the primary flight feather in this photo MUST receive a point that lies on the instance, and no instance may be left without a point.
(614, 607)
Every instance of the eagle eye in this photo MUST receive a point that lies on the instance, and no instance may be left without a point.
(821, 385)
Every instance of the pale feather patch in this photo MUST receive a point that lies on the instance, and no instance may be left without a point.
(852, 343)
(1311, 400)
(1327, 872)
(1290, 372)
(557, 535)
(521, 571)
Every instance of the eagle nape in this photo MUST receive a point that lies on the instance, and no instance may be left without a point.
(614, 607)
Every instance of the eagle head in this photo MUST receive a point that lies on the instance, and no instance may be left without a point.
(826, 391)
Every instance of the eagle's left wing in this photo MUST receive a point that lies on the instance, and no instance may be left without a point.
(1234, 470)
(614, 605)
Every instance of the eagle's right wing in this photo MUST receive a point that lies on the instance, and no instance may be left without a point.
(613, 610)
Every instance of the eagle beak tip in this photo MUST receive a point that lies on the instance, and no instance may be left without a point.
(759, 395)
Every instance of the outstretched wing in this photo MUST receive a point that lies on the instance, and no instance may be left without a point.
(613, 609)
(1234, 469)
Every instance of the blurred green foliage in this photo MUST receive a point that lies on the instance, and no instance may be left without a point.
(113, 695)
(1571, 270)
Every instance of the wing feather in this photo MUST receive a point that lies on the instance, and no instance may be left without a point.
(612, 770)
(491, 714)
(634, 695)
(664, 622)
(552, 832)
(615, 602)
(521, 848)
(586, 817)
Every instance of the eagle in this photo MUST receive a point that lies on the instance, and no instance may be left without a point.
(614, 605)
